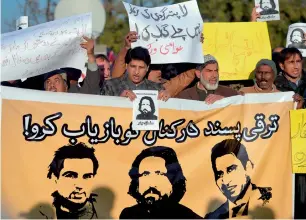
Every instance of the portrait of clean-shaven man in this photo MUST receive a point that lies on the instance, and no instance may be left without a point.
(232, 166)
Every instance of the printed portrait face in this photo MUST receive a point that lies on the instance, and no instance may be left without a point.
(153, 182)
(266, 4)
(209, 76)
(264, 77)
(145, 106)
(74, 182)
(56, 83)
(137, 70)
(293, 66)
(231, 176)
(297, 37)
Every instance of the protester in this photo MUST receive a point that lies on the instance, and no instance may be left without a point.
(208, 88)
(138, 61)
(73, 75)
(56, 81)
(104, 66)
(265, 73)
(291, 78)
(173, 86)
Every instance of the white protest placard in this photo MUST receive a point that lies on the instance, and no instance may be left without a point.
(45, 47)
(296, 37)
(145, 110)
(171, 33)
(268, 10)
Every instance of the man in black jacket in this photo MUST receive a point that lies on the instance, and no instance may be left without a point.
(292, 77)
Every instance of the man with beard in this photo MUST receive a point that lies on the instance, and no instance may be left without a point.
(297, 37)
(232, 166)
(208, 88)
(158, 185)
(73, 168)
(147, 109)
(268, 7)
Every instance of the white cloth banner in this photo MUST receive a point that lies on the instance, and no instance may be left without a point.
(171, 33)
(295, 37)
(45, 47)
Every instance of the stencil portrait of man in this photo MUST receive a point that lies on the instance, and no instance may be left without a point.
(231, 166)
(268, 7)
(157, 184)
(146, 109)
(297, 39)
(73, 169)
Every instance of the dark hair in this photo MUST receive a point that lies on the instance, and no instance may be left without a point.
(78, 151)
(202, 66)
(138, 53)
(151, 103)
(271, 2)
(102, 57)
(287, 53)
(72, 73)
(174, 172)
(229, 146)
(275, 58)
(299, 30)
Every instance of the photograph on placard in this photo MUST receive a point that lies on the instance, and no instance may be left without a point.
(268, 10)
(145, 110)
(296, 37)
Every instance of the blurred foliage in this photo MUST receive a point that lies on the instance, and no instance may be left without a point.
(292, 11)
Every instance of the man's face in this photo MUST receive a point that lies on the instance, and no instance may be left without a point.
(209, 76)
(296, 37)
(137, 70)
(145, 106)
(56, 83)
(153, 182)
(155, 76)
(264, 77)
(266, 4)
(293, 66)
(231, 176)
(104, 68)
(75, 179)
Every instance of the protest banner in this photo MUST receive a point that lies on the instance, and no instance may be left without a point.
(171, 33)
(268, 10)
(296, 37)
(298, 140)
(237, 46)
(42, 48)
(202, 158)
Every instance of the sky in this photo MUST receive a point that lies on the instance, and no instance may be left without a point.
(9, 12)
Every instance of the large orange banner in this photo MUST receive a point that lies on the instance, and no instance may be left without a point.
(76, 156)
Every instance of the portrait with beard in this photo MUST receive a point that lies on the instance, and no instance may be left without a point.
(268, 7)
(297, 39)
(146, 109)
(72, 169)
(157, 184)
(232, 167)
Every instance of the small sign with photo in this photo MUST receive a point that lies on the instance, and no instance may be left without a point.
(145, 110)
(268, 10)
(296, 37)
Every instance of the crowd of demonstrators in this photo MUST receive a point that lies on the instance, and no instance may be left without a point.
(132, 70)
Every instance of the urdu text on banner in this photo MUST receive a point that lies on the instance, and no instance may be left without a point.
(201, 161)
(42, 48)
(171, 33)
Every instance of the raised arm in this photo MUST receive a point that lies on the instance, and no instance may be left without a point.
(119, 66)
